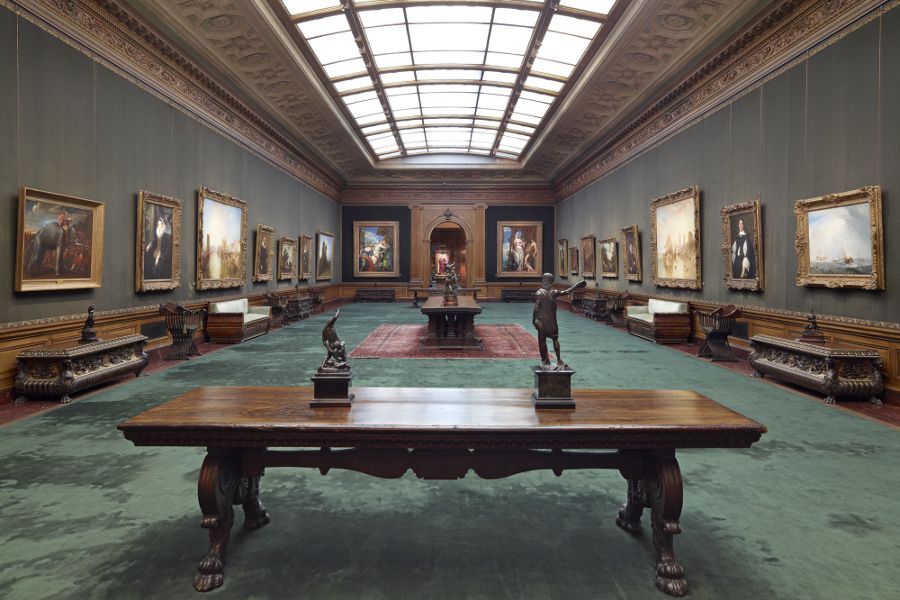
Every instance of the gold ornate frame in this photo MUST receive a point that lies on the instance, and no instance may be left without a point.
(562, 259)
(24, 283)
(395, 225)
(141, 284)
(305, 267)
(589, 241)
(692, 193)
(207, 284)
(319, 234)
(573, 261)
(538, 267)
(637, 253)
(802, 208)
(292, 244)
(257, 276)
(754, 284)
(614, 274)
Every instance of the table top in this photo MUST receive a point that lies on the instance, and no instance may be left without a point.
(829, 350)
(72, 349)
(464, 304)
(441, 418)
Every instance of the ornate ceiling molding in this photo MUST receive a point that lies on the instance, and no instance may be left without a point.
(109, 32)
(447, 194)
(786, 31)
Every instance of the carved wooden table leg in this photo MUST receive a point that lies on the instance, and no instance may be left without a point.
(219, 478)
(255, 513)
(664, 487)
(629, 517)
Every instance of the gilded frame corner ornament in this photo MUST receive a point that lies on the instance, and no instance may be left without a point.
(141, 283)
(287, 271)
(539, 256)
(261, 230)
(636, 236)
(562, 259)
(589, 242)
(694, 283)
(870, 195)
(395, 227)
(229, 282)
(757, 282)
(614, 273)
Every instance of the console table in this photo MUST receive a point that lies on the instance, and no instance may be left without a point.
(839, 372)
(61, 370)
(439, 290)
(441, 434)
(451, 327)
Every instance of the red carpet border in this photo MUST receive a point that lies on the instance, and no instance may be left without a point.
(402, 341)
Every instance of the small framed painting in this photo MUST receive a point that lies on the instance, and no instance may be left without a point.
(573, 261)
(158, 252)
(631, 243)
(675, 239)
(519, 248)
(221, 240)
(562, 252)
(742, 246)
(305, 257)
(324, 255)
(287, 258)
(608, 255)
(839, 240)
(375, 246)
(588, 268)
(59, 243)
(265, 253)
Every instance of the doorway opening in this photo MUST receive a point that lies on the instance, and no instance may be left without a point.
(448, 245)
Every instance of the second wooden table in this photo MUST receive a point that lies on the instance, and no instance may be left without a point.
(451, 327)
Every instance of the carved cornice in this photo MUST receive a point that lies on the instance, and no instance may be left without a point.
(447, 194)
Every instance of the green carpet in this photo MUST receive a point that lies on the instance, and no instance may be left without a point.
(809, 512)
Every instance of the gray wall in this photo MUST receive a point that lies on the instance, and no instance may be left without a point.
(827, 125)
(71, 126)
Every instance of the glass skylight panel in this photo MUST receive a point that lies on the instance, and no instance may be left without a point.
(295, 7)
(412, 136)
(389, 155)
(386, 61)
(385, 16)
(345, 67)
(383, 142)
(529, 119)
(353, 84)
(562, 47)
(448, 14)
(369, 119)
(510, 39)
(523, 129)
(403, 113)
(403, 101)
(334, 47)
(448, 36)
(370, 95)
(490, 112)
(448, 57)
(493, 101)
(431, 74)
(366, 107)
(513, 16)
(546, 99)
(572, 26)
(387, 39)
(540, 82)
(499, 76)
(398, 77)
(481, 137)
(597, 6)
(500, 59)
(487, 124)
(450, 100)
(551, 67)
(324, 26)
(375, 129)
(453, 87)
(444, 122)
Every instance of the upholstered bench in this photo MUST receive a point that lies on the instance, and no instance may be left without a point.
(234, 321)
(660, 321)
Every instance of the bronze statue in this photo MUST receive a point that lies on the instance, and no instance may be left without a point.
(337, 351)
(544, 318)
(88, 333)
(451, 284)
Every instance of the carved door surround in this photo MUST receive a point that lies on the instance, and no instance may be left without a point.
(424, 220)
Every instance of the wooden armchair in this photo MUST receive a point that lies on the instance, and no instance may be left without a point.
(277, 304)
(718, 325)
(610, 309)
(181, 323)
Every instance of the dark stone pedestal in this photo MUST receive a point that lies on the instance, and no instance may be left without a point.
(554, 388)
(331, 389)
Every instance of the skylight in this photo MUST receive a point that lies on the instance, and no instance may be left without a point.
(448, 77)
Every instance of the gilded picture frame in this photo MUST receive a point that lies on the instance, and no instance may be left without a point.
(324, 255)
(631, 257)
(588, 256)
(742, 251)
(562, 250)
(840, 241)
(287, 258)
(573, 261)
(675, 245)
(264, 257)
(376, 249)
(608, 258)
(305, 257)
(157, 265)
(59, 242)
(221, 220)
(520, 248)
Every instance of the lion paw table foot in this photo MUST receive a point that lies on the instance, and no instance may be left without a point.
(211, 575)
(629, 517)
(670, 579)
(216, 491)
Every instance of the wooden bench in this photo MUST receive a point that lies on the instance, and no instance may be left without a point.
(233, 321)
(375, 295)
(660, 321)
(517, 294)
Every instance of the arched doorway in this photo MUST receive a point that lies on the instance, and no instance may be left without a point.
(448, 245)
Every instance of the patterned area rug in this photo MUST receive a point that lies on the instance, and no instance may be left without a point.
(402, 341)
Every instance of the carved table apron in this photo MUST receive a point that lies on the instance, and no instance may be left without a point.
(441, 433)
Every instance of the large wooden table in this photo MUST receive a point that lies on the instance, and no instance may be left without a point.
(441, 433)
(451, 327)
(436, 291)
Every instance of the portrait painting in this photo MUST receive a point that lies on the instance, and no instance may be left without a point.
(608, 258)
(375, 245)
(742, 246)
(573, 261)
(441, 258)
(588, 266)
(324, 255)
(221, 240)
(839, 240)
(631, 243)
(562, 252)
(263, 263)
(59, 242)
(158, 252)
(519, 248)
(287, 258)
(305, 257)
(675, 239)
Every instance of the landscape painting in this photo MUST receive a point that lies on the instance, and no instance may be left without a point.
(375, 245)
(287, 258)
(221, 240)
(158, 252)
(588, 268)
(324, 255)
(265, 251)
(60, 242)
(675, 239)
(608, 253)
(562, 252)
(839, 240)
(305, 257)
(519, 248)
(631, 242)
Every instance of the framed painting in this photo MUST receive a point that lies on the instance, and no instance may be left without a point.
(840, 241)
(221, 240)
(573, 261)
(59, 244)
(265, 253)
(324, 255)
(588, 268)
(305, 257)
(287, 258)
(562, 251)
(742, 246)
(158, 252)
(608, 258)
(441, 258)
(631, 242)
(675, 239)
(519, 248)
(375, 246)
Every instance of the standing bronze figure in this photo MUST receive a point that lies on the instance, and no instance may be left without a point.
(544, 318)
